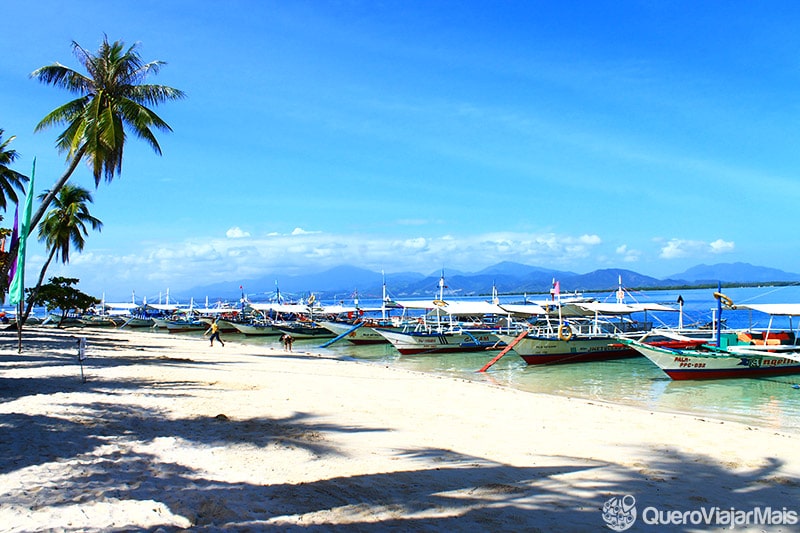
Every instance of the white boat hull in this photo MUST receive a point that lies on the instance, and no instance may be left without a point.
(416, 343)
(694, 364)
(362, 335)
(257, 328)
(538, 350)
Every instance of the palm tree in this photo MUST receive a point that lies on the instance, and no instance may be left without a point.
(9, 179)
(64, 225)
(111, 98)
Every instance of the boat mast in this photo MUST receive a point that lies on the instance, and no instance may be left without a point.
(719, 316)
(441, 299)
(383, 299)
(556, 292)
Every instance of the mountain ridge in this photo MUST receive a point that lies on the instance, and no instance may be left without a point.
(345, 282)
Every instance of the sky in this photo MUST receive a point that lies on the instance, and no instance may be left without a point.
(417, 135)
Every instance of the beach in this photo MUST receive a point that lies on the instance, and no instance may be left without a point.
(164, 432)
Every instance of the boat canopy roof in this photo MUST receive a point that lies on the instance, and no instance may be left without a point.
(214, 310)
(653, 307)
(773, 309)
(470, 308)
(338, 309)
(454, 307)
(613, 308)
(524, 309)
(415, 304)
(164, 307)
(281, 308)
(125, 305)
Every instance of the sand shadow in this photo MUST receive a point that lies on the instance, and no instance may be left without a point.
(446, 490)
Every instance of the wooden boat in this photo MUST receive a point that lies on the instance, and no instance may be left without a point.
(444, 341)
(142, 315)
(711, 362)
(448, 326)
(63, 321)
(263, 327)
(735, 354)
(225, 325)
(581, 332)
(139, 321)
(305, 330)
(365, 334)
(183, 325)
(101, 321)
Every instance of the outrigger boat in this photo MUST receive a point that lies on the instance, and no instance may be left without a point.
(577, 331)
(449, 327)
(357, 325)
(364, 334)
(257, 327)
(735, 354)
(582, 332)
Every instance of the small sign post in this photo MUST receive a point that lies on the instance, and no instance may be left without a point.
(82, 355)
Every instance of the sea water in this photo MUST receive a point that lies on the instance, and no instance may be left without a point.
(772, 403)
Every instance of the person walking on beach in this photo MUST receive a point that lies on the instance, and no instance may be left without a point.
(287, 342)
(214, 330)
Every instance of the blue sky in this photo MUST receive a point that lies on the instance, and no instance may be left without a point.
(416, 135)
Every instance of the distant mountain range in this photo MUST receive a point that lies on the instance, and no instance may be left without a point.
(343, 282)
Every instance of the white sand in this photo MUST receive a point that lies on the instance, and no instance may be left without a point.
(169, 433)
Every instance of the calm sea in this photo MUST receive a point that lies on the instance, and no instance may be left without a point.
(770, 403)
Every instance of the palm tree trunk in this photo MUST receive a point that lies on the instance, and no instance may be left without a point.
(73, 164)
(35, 291)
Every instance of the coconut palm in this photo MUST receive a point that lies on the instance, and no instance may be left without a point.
(111, 98)
(65, 225)
(10, 180)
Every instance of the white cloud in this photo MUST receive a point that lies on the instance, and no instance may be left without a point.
(590, 239)
(411, 222)
(679, 248)
(628, 255)
(720, 247)
(236, 233)
(301, 231)
(156, 266)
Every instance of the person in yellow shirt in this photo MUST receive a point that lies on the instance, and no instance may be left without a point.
(214, 330)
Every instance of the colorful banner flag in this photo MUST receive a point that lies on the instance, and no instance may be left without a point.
(16, 291)
(14, 241)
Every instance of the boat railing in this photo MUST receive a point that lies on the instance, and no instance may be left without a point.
(588, 327)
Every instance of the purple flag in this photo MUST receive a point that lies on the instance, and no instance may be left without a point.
(14, 241)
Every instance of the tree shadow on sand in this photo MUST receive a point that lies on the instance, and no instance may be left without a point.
(118, 452)
(115, 452)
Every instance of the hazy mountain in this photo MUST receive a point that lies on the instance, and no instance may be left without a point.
(609, 278)
(342, 282)
(510, 269)
(338, 282)
(735, 272)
